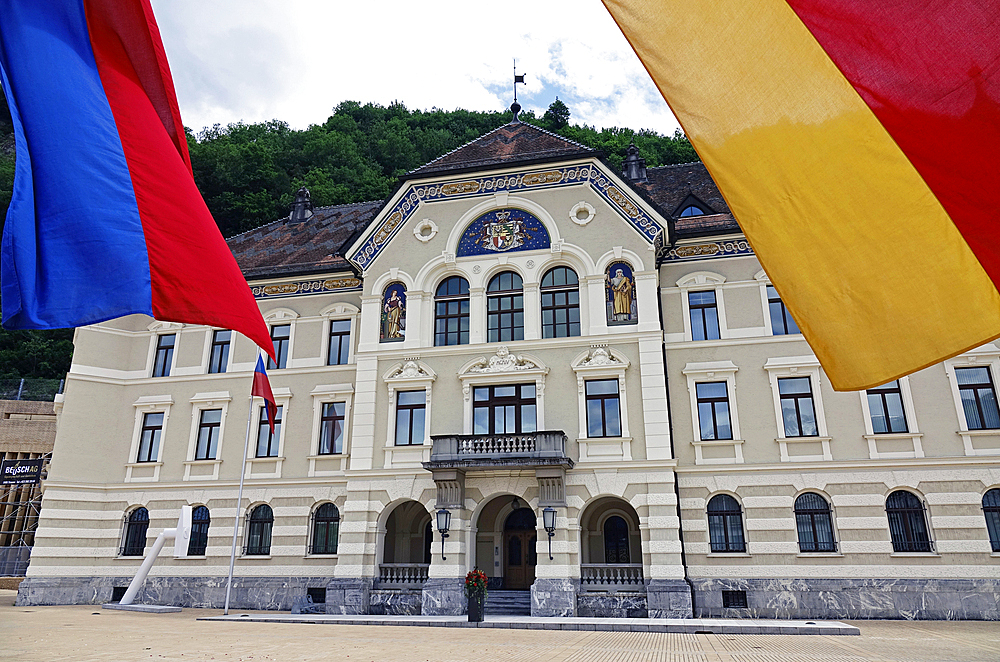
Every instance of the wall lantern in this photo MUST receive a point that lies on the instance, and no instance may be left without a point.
(443, 524)
(549, 522)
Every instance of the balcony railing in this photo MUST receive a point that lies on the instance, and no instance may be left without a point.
(611, 576)
(402, 575)
(490, 450)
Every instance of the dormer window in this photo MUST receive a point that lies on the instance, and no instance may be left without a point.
(692, 205)
(691, 210)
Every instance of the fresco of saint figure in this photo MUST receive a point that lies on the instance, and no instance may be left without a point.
(620, 287)
(393, 313)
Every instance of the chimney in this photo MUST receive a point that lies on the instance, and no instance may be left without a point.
(302, 208)
(634, 166)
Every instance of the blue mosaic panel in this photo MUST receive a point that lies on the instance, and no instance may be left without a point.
(302, 287)
(621, 200)
(619, 288)
(503, 231)
(715, 249)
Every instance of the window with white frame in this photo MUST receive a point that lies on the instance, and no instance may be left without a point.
(339, 348)
(715, 424)
(152, 413)
(331, 428)
(890, 421)
(268, 442)
(798, 413)
(281, 335)
(209, 427)
(603, 407)
(494, 406)
(330, 431)
(410, 409)
(979, 397)
(796, 386)
(885, 406)
(704, 309)
(409, 384)
(604, 415)
(218, 357)
(973, 379)
(504, 409)
(781, 320)
(149, 437)
(163, 356)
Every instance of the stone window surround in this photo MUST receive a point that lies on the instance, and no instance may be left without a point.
(245, 529)
(411, 374)
(199, 403)
(799, 366)
(338, 312)
(478, 373)
(280, 317)
(282, 398)
(157, 329)
(988, 356)
(206, 356)
(310, 535)
(928, 522)
(833, 524)
(147, 404)
(602, 362)
(762, 278)
(703, 281)
(743, 524)
(714, 371)
(914, 434)
(329, 464)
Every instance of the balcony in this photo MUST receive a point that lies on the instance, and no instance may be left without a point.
(474, 451)
(402, 575)
(611, 577)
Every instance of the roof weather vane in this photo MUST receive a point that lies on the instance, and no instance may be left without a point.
(516, 107)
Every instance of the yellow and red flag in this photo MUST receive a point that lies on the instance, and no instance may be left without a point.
(857, 145)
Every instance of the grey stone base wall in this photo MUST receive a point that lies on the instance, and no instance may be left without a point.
(259, 593)
(669, 598)
(554, 597)
(444, 597)
(618, 605)
(349, 596)
(919, 599)
(395, 603)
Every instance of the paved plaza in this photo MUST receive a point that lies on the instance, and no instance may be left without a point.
(86, 632)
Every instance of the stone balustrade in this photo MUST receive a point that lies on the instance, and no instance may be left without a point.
(611, 576)
(402, 575)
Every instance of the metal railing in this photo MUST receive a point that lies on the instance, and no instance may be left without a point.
(611, 576)
(402, 575)
(30, 389)
(544, 444)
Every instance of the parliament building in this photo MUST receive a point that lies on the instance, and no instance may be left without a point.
(576, 379)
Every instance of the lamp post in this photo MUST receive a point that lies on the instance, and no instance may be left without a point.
(443, 524)
(549, 522)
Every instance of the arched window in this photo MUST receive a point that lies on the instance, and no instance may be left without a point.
(326, 527)
(814, 524)
(451, 312)
(991, 509)
(259, 531)
(616, 540)
(505, 308)
(200, 519)
(725, 524)
(907, 525)
(691, 210)
(560, 303)
(134, 540)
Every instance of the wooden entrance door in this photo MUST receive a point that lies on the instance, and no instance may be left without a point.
(520, 560)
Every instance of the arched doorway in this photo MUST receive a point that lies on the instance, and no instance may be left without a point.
(610, 546)
(406, 547)
(519, 543)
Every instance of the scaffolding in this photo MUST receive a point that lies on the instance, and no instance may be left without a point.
(19, 508)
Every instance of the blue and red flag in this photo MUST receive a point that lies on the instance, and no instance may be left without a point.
(262, 387)
(105, 219)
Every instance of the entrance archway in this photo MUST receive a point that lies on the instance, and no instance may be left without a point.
(520, 557)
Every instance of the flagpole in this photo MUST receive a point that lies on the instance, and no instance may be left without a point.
(239, 502)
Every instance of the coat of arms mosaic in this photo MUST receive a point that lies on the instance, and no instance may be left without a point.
(501, 231)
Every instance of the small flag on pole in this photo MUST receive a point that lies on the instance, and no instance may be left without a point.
(105, 218)
(262, 388)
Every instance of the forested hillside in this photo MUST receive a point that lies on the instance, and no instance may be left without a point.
(248, 174)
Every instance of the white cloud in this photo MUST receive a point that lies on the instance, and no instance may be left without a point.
(255, 60)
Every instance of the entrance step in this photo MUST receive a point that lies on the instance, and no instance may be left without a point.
(508, 603)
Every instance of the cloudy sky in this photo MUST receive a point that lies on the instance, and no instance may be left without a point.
(295, 60)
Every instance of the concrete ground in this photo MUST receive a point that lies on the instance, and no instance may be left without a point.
(85, 633)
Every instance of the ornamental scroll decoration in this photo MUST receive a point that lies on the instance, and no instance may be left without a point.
(410, 369)
(599, 355)
(503, 361)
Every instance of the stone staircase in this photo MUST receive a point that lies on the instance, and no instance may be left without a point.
(508, 603)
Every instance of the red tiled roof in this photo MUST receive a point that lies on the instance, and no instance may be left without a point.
(668, 186)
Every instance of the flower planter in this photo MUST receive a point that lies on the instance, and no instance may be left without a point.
(477, 604)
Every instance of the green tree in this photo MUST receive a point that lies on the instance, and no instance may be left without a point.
(556, 117)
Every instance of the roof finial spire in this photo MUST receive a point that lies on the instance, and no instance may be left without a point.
(516, 107)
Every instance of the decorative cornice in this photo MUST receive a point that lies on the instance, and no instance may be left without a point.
(621, 200)
(301, 287)
(410, 369)
(715, 249)
(601, 356)
(502, 361)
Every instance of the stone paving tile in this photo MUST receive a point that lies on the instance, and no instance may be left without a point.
(88, 634)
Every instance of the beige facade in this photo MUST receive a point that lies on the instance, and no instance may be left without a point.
(425, 426)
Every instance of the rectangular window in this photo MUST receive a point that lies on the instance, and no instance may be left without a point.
(704, 316)
(979, 398)
(208, 434)
(797, 411)
(340, 342)
(219, 359)
(451, 321)
(886, 406)
(410, 408)
(781, 320)
(164, 355)
(504, 409)
(280, 336)
(267, 443)
(713, 410)
(149, 437)
(603, 408)
(331, 431)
